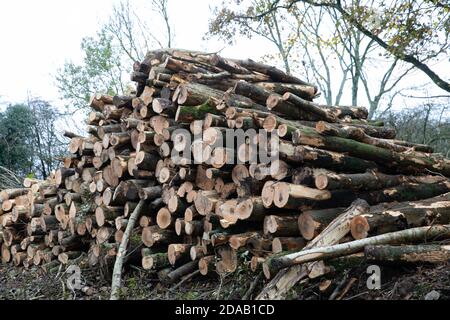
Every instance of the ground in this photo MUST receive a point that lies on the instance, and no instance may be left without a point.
(397, 282)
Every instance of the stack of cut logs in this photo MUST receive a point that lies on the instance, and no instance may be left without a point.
(337, 171)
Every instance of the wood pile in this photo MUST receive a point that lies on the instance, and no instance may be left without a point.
(339, 177)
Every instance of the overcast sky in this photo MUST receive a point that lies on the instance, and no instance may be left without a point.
(37, 36)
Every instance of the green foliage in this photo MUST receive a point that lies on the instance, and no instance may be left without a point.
(408, 26)
(415, 31)
(15, 137)
(313, 42)
(45, 142)
(100, 71)
(108, 56)
(29, 142)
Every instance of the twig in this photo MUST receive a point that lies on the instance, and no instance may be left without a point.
(347, 287)
(357, 295)
(117, 271)
(338, 288)
(252, 287)
(220, 287)
(186, 278)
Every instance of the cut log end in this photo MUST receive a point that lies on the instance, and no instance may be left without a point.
(306, 225)
(147, 262)
(321, 182)
(164, 218)
(266, 270)
(359, 227)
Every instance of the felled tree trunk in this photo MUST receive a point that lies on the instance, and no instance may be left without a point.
(400, 193)
(426, 253)
(303, 91)
(323, 158)
(188, 114)
(333, 251)
(371, 180)
(308, 136)
(358, 134)
(286, 279)
(117, 272)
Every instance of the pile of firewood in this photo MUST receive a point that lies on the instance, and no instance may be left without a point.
(338, 177)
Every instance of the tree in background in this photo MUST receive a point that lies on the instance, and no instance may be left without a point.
(102, 70)
(414, 31)
(46, 142)
(428, 124)
(279, 28)
(29, 142)
(108, 56)
(318, 44)
(16, 153)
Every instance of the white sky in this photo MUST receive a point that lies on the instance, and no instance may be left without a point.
(38, 36)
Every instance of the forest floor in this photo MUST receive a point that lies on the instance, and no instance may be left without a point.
(397, 282)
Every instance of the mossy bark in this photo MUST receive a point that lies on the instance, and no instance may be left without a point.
(187, 114)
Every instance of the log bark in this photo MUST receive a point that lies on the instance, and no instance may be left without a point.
(371, 180)
(179, 253)
(333, 251)
(237, 241)
(303, 91)
(117, 272)
(12, 193)
(336, 111)
(150, 193)
(281, 244)
(153, 236)
(154, 261)
(281, 226)
(287, 278)
(286, 109)
(272, 72)
(194, 94)
(187, 114)
(252, 91)
(177, 274)
(389, 217)
(358, 134)
(312, 222)
(323, 158)
(400, 193)
(324, 113)
(308, 136)
(409, 254)
(287, 195)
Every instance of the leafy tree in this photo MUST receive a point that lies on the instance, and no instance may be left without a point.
(108, 56)
(101, 71)
(29, 142)
(46, 143)
(315, 42)
(279, 28)
(414, 31)
(16, 153)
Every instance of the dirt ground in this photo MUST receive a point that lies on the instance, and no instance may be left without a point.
(397, 282)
